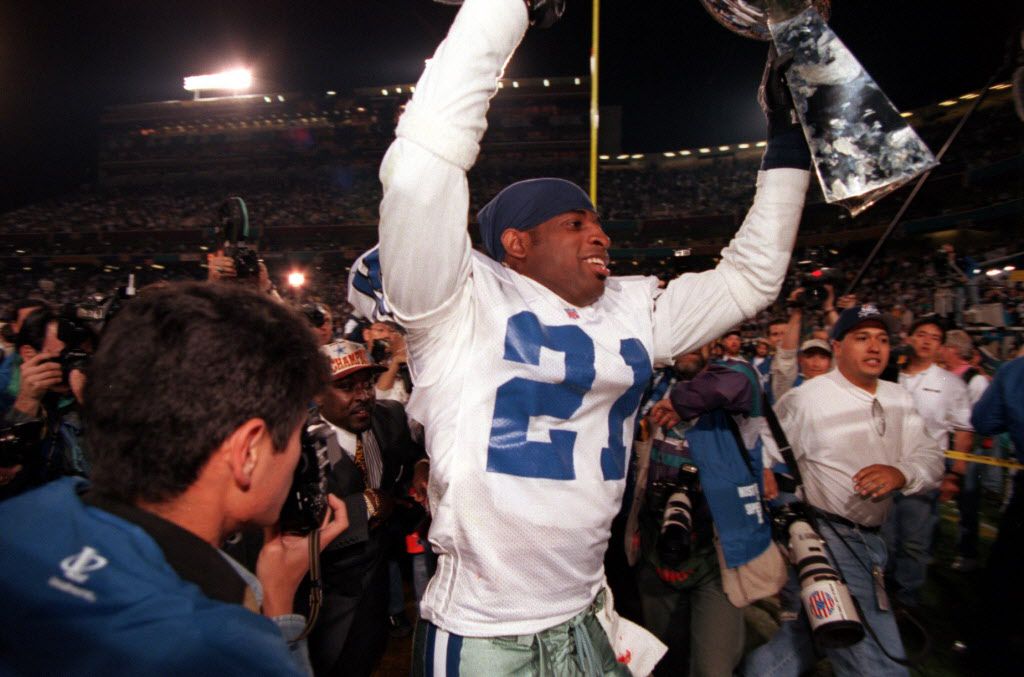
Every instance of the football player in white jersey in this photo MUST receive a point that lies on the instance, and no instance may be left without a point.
(530, 362)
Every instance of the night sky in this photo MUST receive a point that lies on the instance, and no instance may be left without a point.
(682, 80)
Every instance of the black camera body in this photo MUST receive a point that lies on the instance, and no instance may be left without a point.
(19, 442)
(813, 273)
(675, 502)
(240, 241)
(380, 350)
(306, 505)
(314, 312)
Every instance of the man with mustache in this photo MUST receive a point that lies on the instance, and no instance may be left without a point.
(530, 361)
(372, 457)
(857, 440)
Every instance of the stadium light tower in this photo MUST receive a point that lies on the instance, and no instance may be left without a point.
(237, 80)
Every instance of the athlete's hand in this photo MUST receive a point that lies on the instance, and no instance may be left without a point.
(878, 481)
(664, 414)
(284, 559)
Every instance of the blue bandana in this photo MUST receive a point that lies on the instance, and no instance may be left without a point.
(525, 205)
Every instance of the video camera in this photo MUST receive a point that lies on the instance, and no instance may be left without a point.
(306, 505)
(813, 273)
(80, 326)
(835, 621)
(239, 239)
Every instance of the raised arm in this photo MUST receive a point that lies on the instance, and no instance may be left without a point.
(698, 307)
(426, 196)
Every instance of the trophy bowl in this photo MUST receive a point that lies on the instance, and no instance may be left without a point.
(750, 18)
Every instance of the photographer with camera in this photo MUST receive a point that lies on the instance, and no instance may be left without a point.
(194, 407)
(791, 367)
(49, 390)
(856, 439)
(385, 341)
(11, 364)
(701, 480)
(320, 319)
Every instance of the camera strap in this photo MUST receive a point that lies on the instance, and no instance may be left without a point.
(785, 449)
(744, 453)
(316, 584)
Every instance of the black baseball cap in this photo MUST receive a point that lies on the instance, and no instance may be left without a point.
(851, 318)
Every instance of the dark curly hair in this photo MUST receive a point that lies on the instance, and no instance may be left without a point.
(178, 370)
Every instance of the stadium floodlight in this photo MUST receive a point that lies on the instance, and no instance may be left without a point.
(705, 150)
(682, 252)
(1009, 269)
(296, 279)
(947, 103)
(723, 148)
(237, 80)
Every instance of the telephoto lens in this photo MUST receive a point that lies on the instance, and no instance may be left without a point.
(835, 622)
(677, 519)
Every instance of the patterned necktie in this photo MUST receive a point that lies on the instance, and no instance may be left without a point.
(360, 459)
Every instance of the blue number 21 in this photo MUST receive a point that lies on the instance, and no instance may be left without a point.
(518, 399)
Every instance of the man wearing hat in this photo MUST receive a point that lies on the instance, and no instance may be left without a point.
(372, 457)
(530, 361)
(857, 439)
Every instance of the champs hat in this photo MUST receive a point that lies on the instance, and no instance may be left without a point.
(858, 315)
(347, 357)
(525, 205)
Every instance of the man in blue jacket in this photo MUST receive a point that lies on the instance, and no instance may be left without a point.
(1001, 409)
(194, 407)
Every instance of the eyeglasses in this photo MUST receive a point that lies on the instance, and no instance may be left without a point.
(878, 417)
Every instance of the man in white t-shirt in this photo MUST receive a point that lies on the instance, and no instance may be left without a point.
(530, 361)
(857, 440)
(941, 400)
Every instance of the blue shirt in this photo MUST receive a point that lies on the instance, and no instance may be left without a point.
(1001, 408)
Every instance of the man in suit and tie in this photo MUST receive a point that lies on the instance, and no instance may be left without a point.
(373, 461)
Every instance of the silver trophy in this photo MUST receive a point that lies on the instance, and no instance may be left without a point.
(861, 148)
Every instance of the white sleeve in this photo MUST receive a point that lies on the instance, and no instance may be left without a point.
(959, 412)
(784, 371)
(921, 461)
(697, 307)
(976, 388)
(426, 196)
